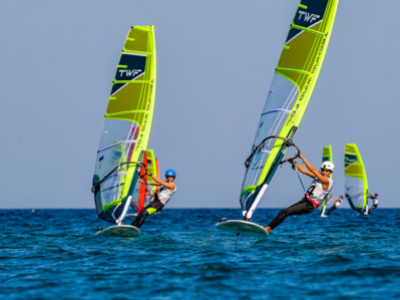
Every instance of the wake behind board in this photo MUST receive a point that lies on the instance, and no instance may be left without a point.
(125, 231)
(243, 228)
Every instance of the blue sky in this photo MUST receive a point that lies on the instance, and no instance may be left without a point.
(216, 60)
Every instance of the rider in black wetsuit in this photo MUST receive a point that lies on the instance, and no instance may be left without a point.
(336, 205)
(160, 199)
(319, 188)
(375, 203)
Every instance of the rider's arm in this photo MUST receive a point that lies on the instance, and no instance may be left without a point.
(323, 179)
(335, 199)
(169, 185)
(304, 170)
(299, 167)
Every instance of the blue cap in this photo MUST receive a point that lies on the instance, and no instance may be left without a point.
(170, 173)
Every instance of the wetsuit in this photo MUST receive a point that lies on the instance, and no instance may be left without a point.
(157, 203)
(335, 206)
(312, 199)
(374, 203)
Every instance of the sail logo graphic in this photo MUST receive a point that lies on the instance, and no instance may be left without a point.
(130, 73)
(131, 66)
(349, 159)
(308, 17)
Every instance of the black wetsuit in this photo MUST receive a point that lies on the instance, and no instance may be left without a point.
(373, 207)
(312, 199)
(148, 210)
(331, 209)
(374, 203)
(304, 206)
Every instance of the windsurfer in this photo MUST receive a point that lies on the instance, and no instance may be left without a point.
(375, 203)
(336, 205)
(315, 195)
(160, 198)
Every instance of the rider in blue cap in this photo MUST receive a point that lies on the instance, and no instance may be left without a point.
(161, 197)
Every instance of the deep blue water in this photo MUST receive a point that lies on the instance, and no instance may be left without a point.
(48, 254)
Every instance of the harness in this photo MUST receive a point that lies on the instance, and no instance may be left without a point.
(315, 204)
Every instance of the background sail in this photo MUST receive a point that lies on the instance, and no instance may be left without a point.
(127, 124)
(292, 86)
(139, 195)
(326, 156)
(143, 192)
(356, 183)
(152, 167)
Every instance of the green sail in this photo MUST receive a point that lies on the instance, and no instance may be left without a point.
(290, 92)
(326, 156)
(127, 125)
(355, 178)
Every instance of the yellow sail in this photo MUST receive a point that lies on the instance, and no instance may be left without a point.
(127, 124)
(326, 156)
(356, 183)
(290, 92)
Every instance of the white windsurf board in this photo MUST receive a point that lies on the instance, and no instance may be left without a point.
(242, 228)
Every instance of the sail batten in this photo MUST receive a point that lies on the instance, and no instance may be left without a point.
(132, 82)
(286, 111)
(317, 32)
(126, 111)
(140, 53)
(116, 144)
(291, 89)
(283, 70)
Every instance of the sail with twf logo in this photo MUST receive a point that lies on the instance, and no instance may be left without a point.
(292, 86)
(127, 126)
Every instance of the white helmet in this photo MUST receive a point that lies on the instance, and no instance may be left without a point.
(328, 165)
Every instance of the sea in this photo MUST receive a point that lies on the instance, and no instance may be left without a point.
(55, 254)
